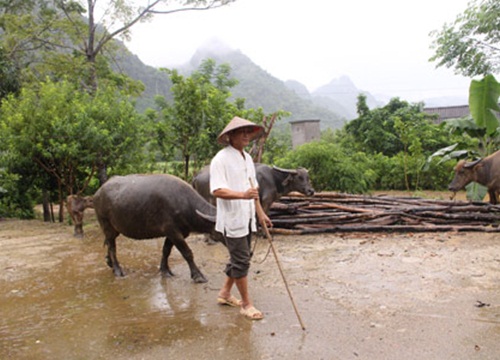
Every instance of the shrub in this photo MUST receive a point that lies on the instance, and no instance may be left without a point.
(330, 168)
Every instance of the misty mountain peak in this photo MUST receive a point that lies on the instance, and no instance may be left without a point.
(342, 84)
(215, 45)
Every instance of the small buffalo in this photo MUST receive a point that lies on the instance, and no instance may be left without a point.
(483, 171)
(151, 206)
(76, 205)
(273, 183)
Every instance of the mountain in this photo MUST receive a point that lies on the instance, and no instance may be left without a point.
(156, 82)
(334, 103)
(341, 95)
(446, 101)
(261, 89)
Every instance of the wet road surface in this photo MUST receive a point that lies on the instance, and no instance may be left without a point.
(360, 296)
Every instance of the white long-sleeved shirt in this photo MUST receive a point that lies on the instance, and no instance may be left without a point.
(229, 170)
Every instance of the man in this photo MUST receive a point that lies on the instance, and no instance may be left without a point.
(232, 173)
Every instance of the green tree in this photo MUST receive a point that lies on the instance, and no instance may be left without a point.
(471, 44)
(199, 111)
(9, 76)
(375, 131)
(75, 36)
(67, 132)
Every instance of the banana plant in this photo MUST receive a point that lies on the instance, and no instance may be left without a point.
(482, 124)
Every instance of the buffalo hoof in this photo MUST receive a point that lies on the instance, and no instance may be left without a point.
(167, 273)
(118, 272)
(199, 279)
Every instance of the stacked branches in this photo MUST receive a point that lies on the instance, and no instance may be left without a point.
(335, 212)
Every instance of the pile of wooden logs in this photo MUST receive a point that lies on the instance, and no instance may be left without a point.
(336, 212)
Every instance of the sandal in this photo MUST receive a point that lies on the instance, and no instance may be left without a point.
(231, 301)
(252, 313)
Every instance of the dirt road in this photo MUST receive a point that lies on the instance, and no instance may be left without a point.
(361, 296)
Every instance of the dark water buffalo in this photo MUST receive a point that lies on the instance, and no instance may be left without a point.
(76, 205)
(151, 206)
(273, 183)
(483, 171)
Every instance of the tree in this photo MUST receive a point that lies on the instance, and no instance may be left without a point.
(9, 76)
(375, 131)
(199, 111)
(471, 44)
(75, 36)
(67, 133)
(73, 39)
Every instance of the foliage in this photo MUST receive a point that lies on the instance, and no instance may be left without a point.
(188, 127)
(9, 76)
(398, 126)
(199, 111)
(403, 172)
(330, 168)
(479, 134)
(75, 37)
(483, 102)
(359, 157)
(14, 202)
(373, 130)
(471, 44)
(67, 132)
(483, 128)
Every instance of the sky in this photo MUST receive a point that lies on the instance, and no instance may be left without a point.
(383, 46)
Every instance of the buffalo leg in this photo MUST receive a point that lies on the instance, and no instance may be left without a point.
(110, 235)
(493, 197)
(111, 258)
(164, 268)
(78, 226)
(187, 254)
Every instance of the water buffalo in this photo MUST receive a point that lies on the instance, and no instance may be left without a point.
(273, 183)
(76, 205)
(151, 206)
(483, 171)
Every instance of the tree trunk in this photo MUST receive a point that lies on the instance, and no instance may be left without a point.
(102, 173)
(46, 206)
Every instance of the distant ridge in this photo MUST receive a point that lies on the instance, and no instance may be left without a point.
(334, 103)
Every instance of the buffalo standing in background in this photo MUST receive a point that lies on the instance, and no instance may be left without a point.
(151, 206)
(273, 183)
(483, 171)
(76, 207)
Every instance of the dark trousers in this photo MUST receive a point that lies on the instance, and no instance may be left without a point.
(239, 255)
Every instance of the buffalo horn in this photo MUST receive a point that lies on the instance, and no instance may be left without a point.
(472, 163)
(210, 218)
(285, 170)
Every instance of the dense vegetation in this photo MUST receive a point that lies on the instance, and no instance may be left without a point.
(69, 121)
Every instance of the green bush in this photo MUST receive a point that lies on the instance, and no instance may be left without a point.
(14, 203)
(330, 168)
(390, 173)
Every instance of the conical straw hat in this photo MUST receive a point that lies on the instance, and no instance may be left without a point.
(238, 123)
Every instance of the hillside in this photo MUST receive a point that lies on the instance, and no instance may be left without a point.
(259, 88)
(156, 82)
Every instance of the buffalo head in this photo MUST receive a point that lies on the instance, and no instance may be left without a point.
(297, 180)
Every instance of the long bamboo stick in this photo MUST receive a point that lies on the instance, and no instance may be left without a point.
(261, 216)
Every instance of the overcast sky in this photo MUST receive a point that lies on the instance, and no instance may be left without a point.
(382, 46)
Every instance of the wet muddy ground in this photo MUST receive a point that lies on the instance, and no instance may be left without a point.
(360, 296)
